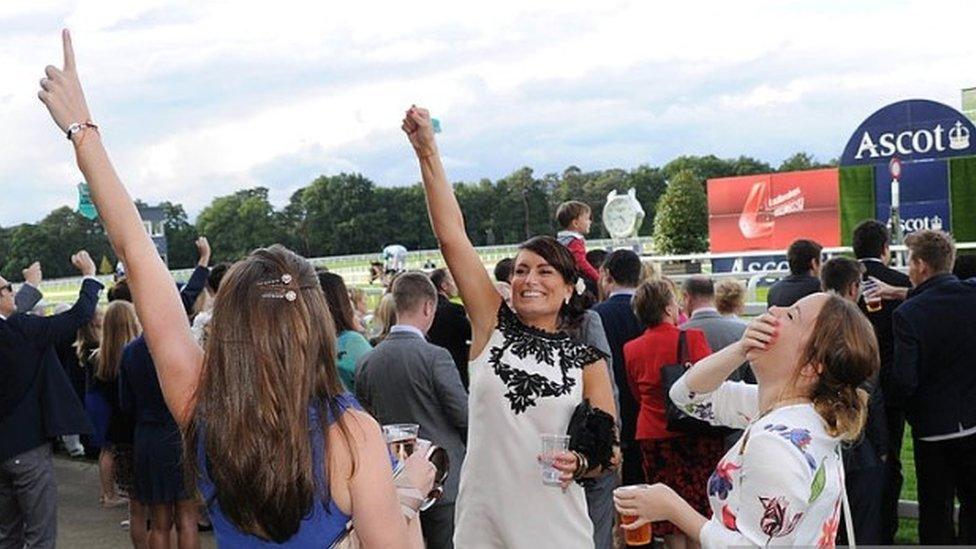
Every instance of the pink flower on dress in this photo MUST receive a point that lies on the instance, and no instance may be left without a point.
(728, 519)
(828, 531)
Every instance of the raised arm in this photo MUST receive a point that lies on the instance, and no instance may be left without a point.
(29, 294)
(481, 300)
(178, 357)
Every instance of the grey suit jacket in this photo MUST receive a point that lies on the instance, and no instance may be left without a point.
(405, 379)
(720, 332)
(27, 298)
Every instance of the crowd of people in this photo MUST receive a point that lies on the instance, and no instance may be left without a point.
(259, 396)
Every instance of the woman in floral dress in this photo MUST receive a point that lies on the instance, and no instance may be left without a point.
(783, 482)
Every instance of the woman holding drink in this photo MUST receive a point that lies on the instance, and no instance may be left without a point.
(783, 482)
(281, 454)
(527, 378)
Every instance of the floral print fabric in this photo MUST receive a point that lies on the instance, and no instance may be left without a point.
(781, 483)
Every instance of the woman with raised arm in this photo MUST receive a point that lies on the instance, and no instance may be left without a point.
(782, 483)
(282, 455)
(527, 377)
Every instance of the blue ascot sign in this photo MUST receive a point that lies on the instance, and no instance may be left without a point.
(910, 130)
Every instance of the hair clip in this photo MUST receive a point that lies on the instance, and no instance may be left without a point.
(290, 295)
(580, 286)
(284, 279)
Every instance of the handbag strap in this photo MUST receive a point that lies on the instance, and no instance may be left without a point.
(683, 348)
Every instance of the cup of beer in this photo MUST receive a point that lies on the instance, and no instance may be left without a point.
(401, 438)
(871, 303)
(552, 445)
(642, 535)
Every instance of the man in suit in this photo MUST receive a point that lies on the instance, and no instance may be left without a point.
(803, 280)
(720, 331)
(864, 461)
(37, 403)
(935, 373)
(451, 328)
(405, 379)
(871, 248)
(619, 277)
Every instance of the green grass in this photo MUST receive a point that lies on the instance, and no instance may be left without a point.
(908, 528)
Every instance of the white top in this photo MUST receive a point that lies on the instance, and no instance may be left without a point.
(524, 384)
(781, 484)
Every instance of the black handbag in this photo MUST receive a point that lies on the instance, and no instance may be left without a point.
(678, 420)
(593, 433)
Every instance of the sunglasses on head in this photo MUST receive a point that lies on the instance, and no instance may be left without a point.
(8, 287)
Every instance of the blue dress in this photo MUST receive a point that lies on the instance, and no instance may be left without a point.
(157, 444)
(319, 528)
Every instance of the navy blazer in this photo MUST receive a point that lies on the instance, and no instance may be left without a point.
(791, 289)
(621, 325)
(934, 367)
(37, 401)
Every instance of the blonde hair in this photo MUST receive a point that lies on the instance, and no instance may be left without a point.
(650, 271)
(88, 337)
(385, 316)
(843, 342)
(120, 327)
(730, 296)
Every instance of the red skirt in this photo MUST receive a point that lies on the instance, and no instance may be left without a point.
(684, 463)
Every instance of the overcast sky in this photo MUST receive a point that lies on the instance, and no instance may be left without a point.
(198, 98)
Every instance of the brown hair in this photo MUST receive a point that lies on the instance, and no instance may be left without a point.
(88, 338)
(411, 290)
(340, 305)
(935, 248)
(651, 301)
(568, 211)
(843, 342)
(730, 295)
(119, 328)
(269, 364)
(561, 259)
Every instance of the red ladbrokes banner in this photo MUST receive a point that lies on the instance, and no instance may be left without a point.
(769, 211)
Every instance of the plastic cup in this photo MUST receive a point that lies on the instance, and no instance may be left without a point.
(642, 535)
(871, 303)
(401, 438)
(552, 445)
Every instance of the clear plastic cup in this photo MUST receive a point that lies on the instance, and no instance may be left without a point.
(552, 445)
(401, 438)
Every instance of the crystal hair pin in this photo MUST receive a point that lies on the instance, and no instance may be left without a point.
(580, 286)
(290, 295)
(283, 279)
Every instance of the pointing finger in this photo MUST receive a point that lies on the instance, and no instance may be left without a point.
(69, 52)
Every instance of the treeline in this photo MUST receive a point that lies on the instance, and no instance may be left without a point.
(349, 214)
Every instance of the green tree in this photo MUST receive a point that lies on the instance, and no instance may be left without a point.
(52, 241)
(650, 186)
(238, 223)
(681, 224)
(180, 236)
(802, 161)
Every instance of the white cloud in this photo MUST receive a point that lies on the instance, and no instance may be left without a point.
(202, 98)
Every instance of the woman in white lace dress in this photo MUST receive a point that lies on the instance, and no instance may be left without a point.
(783, 482)
(527, 377)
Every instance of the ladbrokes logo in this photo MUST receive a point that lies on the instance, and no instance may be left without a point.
(758, 217)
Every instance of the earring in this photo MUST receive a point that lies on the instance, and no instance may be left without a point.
(566, 301)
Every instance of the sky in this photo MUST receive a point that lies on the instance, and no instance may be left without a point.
(197, 99)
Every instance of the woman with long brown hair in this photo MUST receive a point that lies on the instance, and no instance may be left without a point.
(119, 327)
(281, 454)
(351, 344)
(783, 482)
(527, 376)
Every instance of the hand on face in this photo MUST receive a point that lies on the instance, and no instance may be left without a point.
(760, 334)
(61, 90)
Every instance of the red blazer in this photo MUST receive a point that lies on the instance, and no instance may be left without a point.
(644, 358)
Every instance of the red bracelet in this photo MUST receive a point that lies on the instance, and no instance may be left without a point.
(79, 126)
